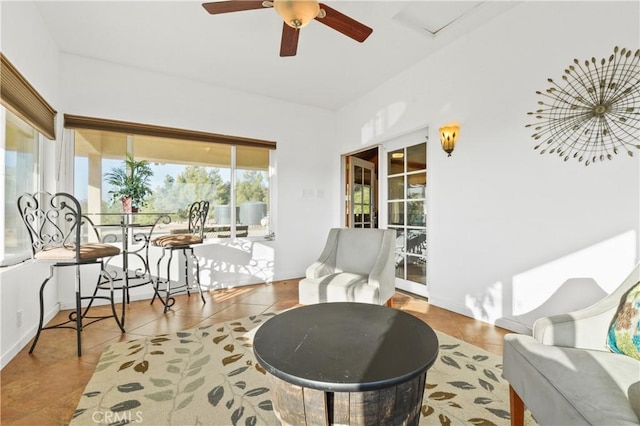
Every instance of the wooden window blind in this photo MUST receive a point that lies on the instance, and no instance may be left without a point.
(21, 98)
(92, 123)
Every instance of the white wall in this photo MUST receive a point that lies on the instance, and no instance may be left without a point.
(28, 46)
(507, 227)
(100, 89)
(94, 88)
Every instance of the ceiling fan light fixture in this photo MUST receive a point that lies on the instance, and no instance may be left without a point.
(297, 13)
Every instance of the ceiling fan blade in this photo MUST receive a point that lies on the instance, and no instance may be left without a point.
(289, 44)
(344, 24)
(232, 6)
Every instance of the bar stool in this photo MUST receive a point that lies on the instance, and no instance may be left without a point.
(181, 240)
(55, 223)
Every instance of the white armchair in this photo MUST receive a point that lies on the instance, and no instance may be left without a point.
(565, 375)
(356, 265)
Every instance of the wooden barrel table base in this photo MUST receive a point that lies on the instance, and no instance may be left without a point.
(397, 405)
(346, 363)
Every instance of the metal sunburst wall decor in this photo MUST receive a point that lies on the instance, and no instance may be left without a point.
(596, 114)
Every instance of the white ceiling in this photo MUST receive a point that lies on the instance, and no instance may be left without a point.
(241, 50)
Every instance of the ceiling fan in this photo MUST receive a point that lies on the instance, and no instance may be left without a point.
(296, 14)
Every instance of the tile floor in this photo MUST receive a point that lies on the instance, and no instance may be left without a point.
(43, 388)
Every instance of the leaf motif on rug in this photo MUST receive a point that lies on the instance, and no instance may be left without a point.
(209, 375)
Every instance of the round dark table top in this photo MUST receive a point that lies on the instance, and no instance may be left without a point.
(345, 347)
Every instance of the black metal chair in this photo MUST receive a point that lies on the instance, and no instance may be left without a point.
(56, 225)
(182, 240)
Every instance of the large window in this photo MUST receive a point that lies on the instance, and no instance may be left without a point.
(20, 153)
(25, 120)
(234, 179)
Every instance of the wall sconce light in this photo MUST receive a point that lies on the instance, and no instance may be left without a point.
(448, 136)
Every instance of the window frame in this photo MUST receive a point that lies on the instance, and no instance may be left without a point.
(75, 122)
(26, 253)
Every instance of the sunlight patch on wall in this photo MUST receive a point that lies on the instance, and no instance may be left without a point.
(607, 262)
(488, 305)
(382, 121)
(235, 262)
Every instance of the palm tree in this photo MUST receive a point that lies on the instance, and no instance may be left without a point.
(131, 183)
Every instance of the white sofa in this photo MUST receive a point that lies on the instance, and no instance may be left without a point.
(565, 375)
(356, 265)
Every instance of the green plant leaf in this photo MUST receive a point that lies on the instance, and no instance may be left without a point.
(165, 395)
(101, 367)
(199, 363)
(194, 372)
(194, 385)
(185, 402)
(160, 382)
(173, 369)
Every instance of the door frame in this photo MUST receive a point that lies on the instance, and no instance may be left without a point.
(398, 141)
(404, 140)
(373, 153)
(353, 162)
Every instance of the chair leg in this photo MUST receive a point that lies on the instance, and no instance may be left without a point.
(78, 312)
(41, 322)
(156, 284)
(186, 269)
(197, 275)
(517, 408)
(169, 301)
(119, 321)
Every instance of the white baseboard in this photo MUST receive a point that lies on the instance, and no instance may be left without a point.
(16, 347)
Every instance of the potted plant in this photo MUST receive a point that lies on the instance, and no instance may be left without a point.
(131, 183)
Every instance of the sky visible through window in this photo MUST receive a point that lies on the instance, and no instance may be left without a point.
(160, 171)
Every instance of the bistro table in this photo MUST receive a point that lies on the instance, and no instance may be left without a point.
(134, 231)
(346, 363)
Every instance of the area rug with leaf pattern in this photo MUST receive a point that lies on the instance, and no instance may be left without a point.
(209, 376)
